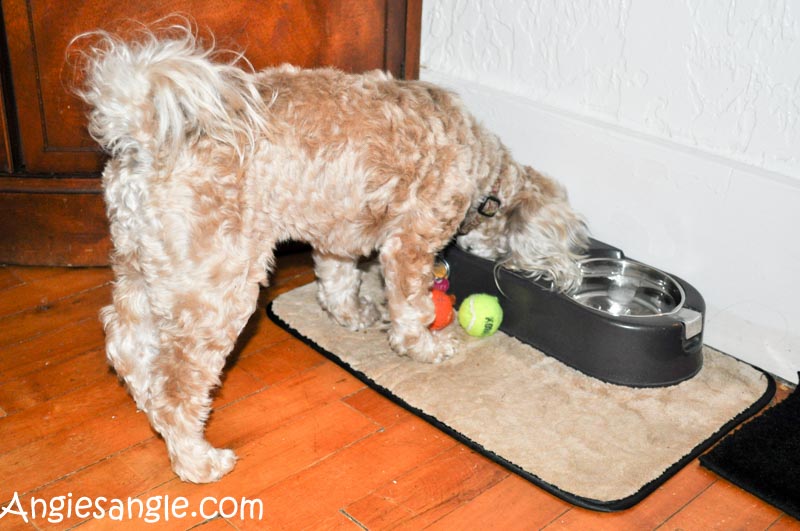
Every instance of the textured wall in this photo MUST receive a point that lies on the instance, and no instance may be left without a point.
(674, 124)
(719, 75)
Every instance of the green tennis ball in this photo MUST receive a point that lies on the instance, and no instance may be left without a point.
(480, 314)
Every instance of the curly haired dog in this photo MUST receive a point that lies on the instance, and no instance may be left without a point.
(213, 164)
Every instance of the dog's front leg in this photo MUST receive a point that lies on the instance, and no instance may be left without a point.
(407, 262)
(339, 281)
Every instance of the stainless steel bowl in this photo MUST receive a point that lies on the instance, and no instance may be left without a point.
(625, 287)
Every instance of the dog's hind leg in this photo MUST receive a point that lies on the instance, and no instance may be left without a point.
(407, 261)
(339, 281)
(131, 334)
(196, 333)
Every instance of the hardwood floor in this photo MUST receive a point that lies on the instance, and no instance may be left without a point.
(317, 449)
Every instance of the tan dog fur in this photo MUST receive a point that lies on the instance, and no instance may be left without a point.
(212, 165)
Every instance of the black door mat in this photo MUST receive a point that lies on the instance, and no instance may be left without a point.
(763, 456)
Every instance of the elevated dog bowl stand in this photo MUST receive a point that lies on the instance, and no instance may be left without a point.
(637, 348)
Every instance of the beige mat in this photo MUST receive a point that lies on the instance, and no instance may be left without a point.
(598, 445)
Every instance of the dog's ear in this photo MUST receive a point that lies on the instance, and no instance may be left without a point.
(545, 236)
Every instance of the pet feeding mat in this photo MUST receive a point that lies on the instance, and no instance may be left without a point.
(598, 445)
(763, 456)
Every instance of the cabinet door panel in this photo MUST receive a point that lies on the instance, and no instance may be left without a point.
(350, 35)
(51, 206)
(53, 222)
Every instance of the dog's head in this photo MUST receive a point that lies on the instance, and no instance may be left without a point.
(535, 232)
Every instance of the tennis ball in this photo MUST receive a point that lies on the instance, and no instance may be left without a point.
(480, 314)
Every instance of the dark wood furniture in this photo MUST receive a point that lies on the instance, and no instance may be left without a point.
(51, 208)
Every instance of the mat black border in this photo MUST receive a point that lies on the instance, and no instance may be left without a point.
(580, 501)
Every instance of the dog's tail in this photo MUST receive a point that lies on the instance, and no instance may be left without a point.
(154, 93)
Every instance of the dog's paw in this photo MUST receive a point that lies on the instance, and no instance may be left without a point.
(364, 316)
(445, 347)
(428, 347)
(369, 314)
(355, 317)
(207, 467)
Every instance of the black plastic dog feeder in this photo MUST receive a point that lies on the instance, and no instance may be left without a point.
(627, 323)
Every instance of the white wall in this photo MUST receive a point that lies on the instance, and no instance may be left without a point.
(674, 125)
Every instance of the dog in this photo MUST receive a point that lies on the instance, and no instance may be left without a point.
(211, 164)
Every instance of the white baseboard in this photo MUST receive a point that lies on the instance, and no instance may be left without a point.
(731, 230)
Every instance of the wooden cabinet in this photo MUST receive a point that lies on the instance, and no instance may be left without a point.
(51, 209)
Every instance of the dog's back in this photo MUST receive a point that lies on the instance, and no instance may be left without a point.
(366, 141)
(353, 153)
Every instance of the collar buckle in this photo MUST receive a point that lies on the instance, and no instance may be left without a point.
(489, 206)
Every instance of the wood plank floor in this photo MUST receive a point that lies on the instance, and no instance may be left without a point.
(317, 449)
